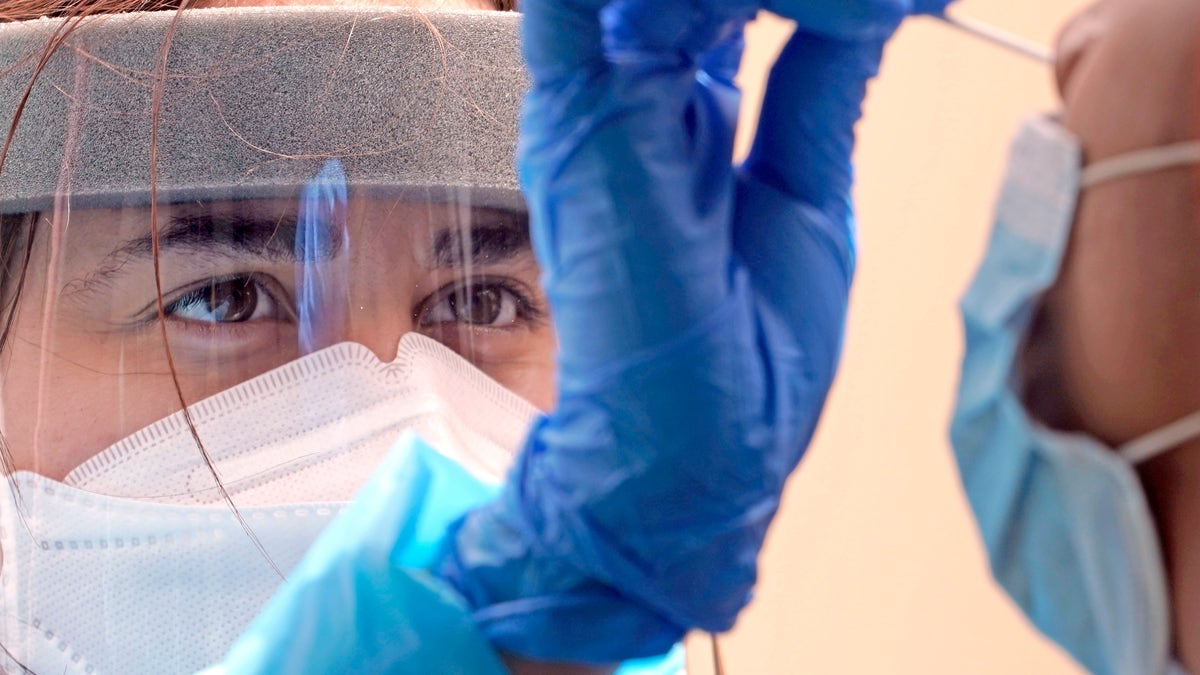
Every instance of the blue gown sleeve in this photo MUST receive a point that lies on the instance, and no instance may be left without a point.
(362, 600)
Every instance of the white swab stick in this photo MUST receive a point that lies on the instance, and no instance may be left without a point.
(1000, 38)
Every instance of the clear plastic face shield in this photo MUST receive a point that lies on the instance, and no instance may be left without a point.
(240, 252)
(297, 179)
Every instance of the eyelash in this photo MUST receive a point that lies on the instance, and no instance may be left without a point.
(527, 311)
(207, 291)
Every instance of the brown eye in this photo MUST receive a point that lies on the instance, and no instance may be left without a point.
(481, 303)
(227, 300)
(232, 301)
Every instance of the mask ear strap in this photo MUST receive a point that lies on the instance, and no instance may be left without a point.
(1140, 161)
(1157, 442)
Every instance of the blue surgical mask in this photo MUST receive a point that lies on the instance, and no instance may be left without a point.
(1068, 530)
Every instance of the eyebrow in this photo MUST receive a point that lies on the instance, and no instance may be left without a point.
(492, 237)
(271, 238)
(267, 237)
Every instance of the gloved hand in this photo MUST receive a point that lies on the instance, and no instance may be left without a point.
(699, 310)
(852, 19)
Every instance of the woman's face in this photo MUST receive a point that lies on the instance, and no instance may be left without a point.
(85, 365)
(1124, 316)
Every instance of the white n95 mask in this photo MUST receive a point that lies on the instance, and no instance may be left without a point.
(314, 429)
(1068, 531)
(136, 565)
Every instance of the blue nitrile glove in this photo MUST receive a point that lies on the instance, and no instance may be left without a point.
(699, 312)
(852, 19)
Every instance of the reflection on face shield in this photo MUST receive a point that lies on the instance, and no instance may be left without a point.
(321, 229)
(328, 182)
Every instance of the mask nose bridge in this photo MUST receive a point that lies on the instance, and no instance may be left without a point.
(377, 329)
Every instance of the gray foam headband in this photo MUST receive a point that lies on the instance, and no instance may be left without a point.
(257, 99)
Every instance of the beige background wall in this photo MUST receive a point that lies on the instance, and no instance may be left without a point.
(875, 565)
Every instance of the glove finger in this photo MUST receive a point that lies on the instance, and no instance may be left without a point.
(794, 230)
(805, 134)
(935, 7)
(621, 31)
(629, 182)
(549, 57)
(721, 62)
(844, 19)
(670, 32)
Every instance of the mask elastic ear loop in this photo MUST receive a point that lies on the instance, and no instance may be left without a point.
(999, 38)
(1130, 164)
(1157, 442)
(1140, 161)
